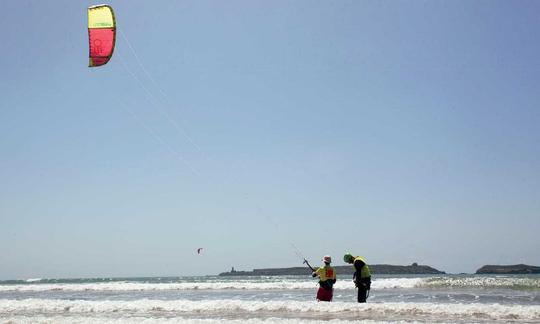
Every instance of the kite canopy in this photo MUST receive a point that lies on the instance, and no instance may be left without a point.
(101, 34)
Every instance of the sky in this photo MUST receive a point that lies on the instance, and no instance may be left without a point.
(269, 131)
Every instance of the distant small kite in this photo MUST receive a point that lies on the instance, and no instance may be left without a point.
(199, 250)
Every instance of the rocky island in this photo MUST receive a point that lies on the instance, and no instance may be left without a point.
(508, 269)
(340, 270)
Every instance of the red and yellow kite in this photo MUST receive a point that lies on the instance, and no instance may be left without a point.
(101, 34)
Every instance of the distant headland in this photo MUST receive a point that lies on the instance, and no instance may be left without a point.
(508, 269)
(340, 270)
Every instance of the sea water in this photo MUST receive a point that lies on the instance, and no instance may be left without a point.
(271, 299)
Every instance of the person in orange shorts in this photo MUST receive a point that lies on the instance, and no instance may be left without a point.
(327, 279)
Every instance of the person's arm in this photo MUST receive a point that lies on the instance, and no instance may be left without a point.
(358, 265)
(316, 273)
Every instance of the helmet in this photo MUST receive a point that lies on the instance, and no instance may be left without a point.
(348, 257)
(326, 259)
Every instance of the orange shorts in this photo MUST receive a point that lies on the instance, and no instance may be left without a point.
(325, 295)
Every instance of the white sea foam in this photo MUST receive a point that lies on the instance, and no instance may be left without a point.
(384, 283)
(175, 320)
(483, 282)
(280, 284)
(390, 283)
(235, 309)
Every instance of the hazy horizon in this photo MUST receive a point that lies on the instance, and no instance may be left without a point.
(314, 264)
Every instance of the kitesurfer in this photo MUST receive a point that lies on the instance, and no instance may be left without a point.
(327, 279)
(361, 277)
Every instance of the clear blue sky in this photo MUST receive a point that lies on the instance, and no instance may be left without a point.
(404, 131)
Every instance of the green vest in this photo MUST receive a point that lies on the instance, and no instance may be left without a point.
(364, 273)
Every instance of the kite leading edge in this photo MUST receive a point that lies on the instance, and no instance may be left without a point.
(101, 34)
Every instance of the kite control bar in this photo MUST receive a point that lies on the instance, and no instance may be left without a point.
(307, 263)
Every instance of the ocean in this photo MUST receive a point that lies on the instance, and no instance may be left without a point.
(269, 299)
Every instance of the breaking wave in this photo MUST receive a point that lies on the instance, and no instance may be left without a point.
(275, 283)
(505, 282)
(386, 283)
(237, 309)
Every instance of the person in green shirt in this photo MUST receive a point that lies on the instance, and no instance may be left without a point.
(361, 277)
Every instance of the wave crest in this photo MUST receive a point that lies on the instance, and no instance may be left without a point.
(246, 309)
(384, 283)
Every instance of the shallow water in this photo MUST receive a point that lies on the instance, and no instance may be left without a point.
(446, 298)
